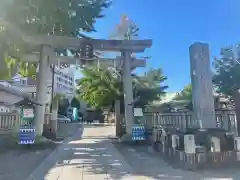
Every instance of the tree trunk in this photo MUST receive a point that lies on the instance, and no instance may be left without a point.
(236, 98)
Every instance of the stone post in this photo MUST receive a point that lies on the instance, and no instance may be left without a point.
(202, 89)
(54, 115)
(237, 147)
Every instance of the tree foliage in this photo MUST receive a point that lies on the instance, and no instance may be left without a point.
(58, 17)
(55, 17)
(101, 88)
(150, 87)
(98, 87)
(226, 77)
(185, 94)
(75, 103)
(126, 29)
(10, 66)
(227, 72)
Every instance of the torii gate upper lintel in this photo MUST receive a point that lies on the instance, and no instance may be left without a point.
(98, 44)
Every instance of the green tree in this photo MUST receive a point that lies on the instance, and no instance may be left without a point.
(185, 94)
(150, 87)
(99, 88)
(55, 17)
(26, 69)
(126, 29)
(75, 103)
(10, 64)
(8, 68)
(184, 98)
(226, 77)
(58, 17)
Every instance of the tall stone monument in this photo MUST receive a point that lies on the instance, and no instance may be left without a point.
(202, 88)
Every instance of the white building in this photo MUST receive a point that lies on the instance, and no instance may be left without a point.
(63, 84)
(9, 96)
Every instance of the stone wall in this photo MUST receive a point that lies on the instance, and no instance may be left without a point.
(198, 149)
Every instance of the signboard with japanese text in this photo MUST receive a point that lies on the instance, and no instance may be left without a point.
(28, 113)
(138, 132)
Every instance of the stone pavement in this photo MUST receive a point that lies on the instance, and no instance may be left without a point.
(149, 163)
(94, 157)
(17, 161)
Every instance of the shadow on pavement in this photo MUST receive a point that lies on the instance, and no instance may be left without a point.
(18, 161)
(101, 157)
(94, 156)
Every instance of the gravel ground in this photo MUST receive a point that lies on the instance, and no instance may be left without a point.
(17, 162)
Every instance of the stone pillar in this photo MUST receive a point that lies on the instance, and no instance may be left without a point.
(215, 144)
(54, 115)
(128, 91)
(41, 88)
(202, 89)
(117, 118)
(189, 144)
(237, 147)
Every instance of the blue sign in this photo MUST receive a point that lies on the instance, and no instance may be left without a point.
(27, 136)
(138, 132)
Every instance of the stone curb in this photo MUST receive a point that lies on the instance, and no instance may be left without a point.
(51, 159)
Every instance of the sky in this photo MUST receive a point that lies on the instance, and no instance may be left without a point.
(174, 25)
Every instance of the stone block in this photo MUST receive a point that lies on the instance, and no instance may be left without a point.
(215, 144)
(237, 143)
(189, 144)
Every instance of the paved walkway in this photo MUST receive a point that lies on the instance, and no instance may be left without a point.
(17, 161)
(94, 157)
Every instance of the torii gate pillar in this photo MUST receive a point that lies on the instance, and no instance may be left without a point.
(128, 91)
(45, 54)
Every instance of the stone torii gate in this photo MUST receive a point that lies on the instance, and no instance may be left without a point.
(46, 45)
